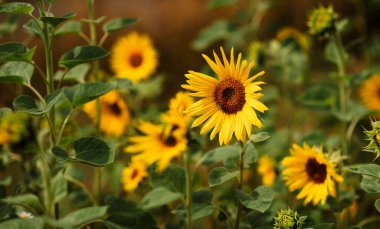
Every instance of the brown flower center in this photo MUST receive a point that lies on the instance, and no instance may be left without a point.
(170, 141)
(134, 174)
(317, 172)
(136, 60)
(114, 108)
(229, 94)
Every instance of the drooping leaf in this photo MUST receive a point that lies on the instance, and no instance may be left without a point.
(55, 21)
(29, 200)
(93, 151)
(60, 154)
(85, 92)
(260, 199)
(118, 24)
(250, 156)
(366, 169)
(219, 175)
(82, 54)
(16, 8)
(71, 27)
(15, 52)
(259, 137)
(25, 103)
(77, 73)
(158, 197)
(16, 72)
(32, 27)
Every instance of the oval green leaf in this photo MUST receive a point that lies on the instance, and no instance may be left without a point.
(219, 175)
(118, 24)
(83, 93)
(93, 151)
(158, 197)
(16, 72)
(13, 51)
(260, 199)
(55, 21)
(83, 54)
(71, 27)
(16, 8)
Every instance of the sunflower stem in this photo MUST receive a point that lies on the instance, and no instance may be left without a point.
(187, 161)
(240, 187)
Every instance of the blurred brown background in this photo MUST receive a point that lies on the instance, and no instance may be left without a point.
(173, 24)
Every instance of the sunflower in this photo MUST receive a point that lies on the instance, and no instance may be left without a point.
(369, 92)
(292, 36)
(322, 20)
(13, 128)
(114, 113)
(308, 169)
(266, 168)
(229, 101)
(134, 57)
(176, 115)
(159, 144)
(133, 175)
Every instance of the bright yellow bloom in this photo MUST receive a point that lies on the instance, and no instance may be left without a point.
(176, 115)
(229, 101)
(158, 144)
(308, 169)
(13, 128)
(133, 175)
(266, 168)
(134, 57)
(369, 92)
(114, 113)
(293, 36)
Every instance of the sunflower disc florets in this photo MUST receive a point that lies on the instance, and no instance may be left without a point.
(288, 219)
(322, 20)
(374, 138)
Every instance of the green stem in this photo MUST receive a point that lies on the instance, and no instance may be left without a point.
(368, 220)
(187, 161)
(83, 186)
(46, 180)
(63, 126)
(241, 168)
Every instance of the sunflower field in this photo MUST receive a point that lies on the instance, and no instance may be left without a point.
(201, 114)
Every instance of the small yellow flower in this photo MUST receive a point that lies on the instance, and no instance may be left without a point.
(114, 113)
(228, 102)
(158, 144)
(322, 20)
(134, 57)
(176, 115)
(293, 36)
(133, 175)
(13, 127)
(266, 168)
(308, 169)
(369, 92)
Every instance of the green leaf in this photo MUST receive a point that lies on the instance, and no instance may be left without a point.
(32, 27)
(214, 32)
(322, 226)
(370, 184)
(16, 72)
(332, 53)
(5, 111)
(201, 204)
(77, 73)
(60, 154)
(173, 179)
(118, 24)
(86, 92)
(71, 27)
(82, 54)
(221, 154)
(55, 21)
(215, 4)
(377, 205)
(25, 103)
(158, 197)
(250, 156)
(15, 52)
(260, 199)
(319, 97)
(80, 217)
(366, 169)
(29, 200)
(219, 175)
(16, 8)
(150, 88)
(259, 137)
(9, 25)
(93, 151)
(59, 187)
(121, 84)
(35, 223)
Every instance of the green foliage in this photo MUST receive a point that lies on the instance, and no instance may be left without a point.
(16, 72)
(80, 217)
(82, 54)
(215, 4)
(259, 200)
(77, 73)
(55, 21)
(118, 24)
(59, 187)
(158, 197)
(15, 52)
(82, 93)
(220, 154)
(93, 151)
(25, 103)
(34, 27)
(320, 97)
(173, 179)
(16, 8)
(214, 32)
(29, 200)
(71, 27)
(35, 222)
(220, 175)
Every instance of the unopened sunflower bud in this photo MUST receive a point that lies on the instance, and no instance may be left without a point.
(322, 20)
(288, 219)
(374, 138)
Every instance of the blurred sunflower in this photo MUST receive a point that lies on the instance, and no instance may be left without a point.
(292, 36)
(176, 115)
(267, 169)
(114, 113)
(13, 128)
(256, 53)
(308, 169)
(158, 144)
(229, 102)
(133, 175)
(369, 92)
(322, 20)
(134, 57)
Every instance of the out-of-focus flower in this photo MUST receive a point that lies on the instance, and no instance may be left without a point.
(267, 169)
(288, 219)
(158, 144)
(133, 175)
(350, 212)
(322, 20)
(114, 114)
(134, 57)
(13, 127)
(373, 138)
(25, 215)
(176, 115)
(369, 92)
(229, 101)
(308, 169)
(291, 36)
(256, 53)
